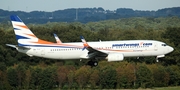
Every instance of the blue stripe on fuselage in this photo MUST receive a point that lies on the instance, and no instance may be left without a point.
(49, 46)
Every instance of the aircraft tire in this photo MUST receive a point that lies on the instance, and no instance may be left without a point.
(93, 63)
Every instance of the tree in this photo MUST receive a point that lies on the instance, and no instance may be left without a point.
(47, 78)
(62, 72)
(161, 77)
(21, 74)
(71, 79)
(12, 77)
(108, 77)
(2, 66)
(82, 76)
(171, 34)
(144, 76)
(121, 77)
(174, 75)
(126, 76)
(94, 78)
(27, 79)
(35, 77)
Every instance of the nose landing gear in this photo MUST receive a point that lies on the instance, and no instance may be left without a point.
(159, 56)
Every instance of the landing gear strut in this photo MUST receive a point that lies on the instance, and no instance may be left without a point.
(157, 60)
(159, 56)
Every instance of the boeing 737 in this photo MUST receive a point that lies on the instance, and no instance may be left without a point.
(29, 44)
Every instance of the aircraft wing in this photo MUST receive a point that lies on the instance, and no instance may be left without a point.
(93, 53)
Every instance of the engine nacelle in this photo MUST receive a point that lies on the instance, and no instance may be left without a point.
(115, 57)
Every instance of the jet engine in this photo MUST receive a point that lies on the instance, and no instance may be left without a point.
(115, 57)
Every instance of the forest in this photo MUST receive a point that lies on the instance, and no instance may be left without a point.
(19, 71)
(85, 15)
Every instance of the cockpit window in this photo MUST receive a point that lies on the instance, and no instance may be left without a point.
(164, 45)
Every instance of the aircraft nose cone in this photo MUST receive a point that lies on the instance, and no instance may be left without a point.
(171, 49)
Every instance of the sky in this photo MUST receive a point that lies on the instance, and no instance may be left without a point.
(53, 5)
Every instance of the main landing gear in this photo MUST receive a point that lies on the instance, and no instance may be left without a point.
(92, 63)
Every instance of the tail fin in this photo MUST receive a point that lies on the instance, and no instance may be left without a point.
(22, 32)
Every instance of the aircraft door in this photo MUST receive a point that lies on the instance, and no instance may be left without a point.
(35, 51)
(155, 46)
(42, 51)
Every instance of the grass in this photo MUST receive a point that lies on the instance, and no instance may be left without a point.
(156, 88)
(168, 88)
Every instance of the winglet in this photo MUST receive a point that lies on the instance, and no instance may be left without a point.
(57, 39)
(84, 42)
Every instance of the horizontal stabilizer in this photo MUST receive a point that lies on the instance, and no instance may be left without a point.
(16, 46)
(11, 45)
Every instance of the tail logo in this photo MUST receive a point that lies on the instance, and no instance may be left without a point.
(23, 34)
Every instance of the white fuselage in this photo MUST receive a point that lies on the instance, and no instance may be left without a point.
(29, 44)
(130, 48)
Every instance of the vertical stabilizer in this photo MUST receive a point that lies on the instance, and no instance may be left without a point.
(23, 34)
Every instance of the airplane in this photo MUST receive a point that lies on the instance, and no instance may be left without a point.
(31, 45)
